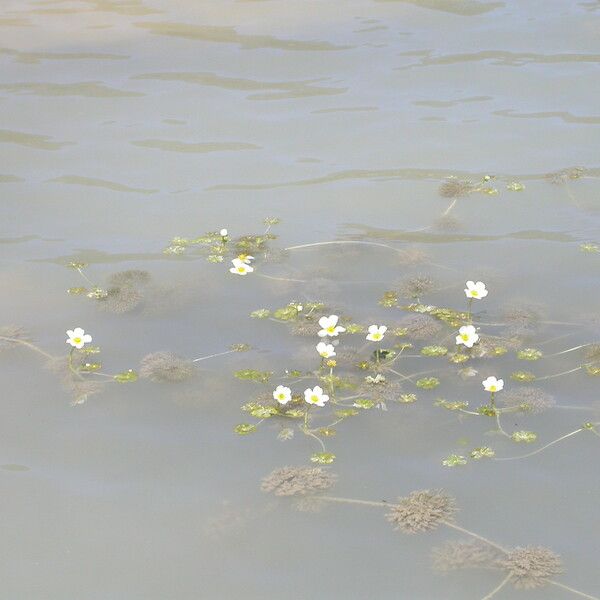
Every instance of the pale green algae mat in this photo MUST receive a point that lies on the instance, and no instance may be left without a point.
(300, 299)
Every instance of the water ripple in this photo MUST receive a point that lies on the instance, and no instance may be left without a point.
(228, 35)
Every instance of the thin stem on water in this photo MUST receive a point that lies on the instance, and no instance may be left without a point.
(498, 587)
(560, 439)
(213, 355)
(26, 344)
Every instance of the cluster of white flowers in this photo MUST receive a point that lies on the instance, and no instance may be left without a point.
(242, 265)
(312, 396)
(467, 334)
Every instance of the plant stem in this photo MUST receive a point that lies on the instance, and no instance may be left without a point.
(213, 355)
(27, 344)
(498, 587)
(560, 439)
(573, 591)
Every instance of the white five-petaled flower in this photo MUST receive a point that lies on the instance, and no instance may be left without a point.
(78, 338)
(316, 396)
(467, 335)
(223, 232)
(376, 333)
(282, 394)
(329, 326)
(325, 350)
(240, 267)
(476, 290)
(491, 384)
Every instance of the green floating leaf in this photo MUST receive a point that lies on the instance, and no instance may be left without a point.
(407, 398)
(272, 221)
(126, 376)
(285, 434)
(593, 370)
(253, 375)
(90, 367)
(287, 313)
(77, 266)
(484, 452)
(97, 293)
(245, 428)
(487, 411)
(261, 313)
(399, 331)
(264, 412)
(348, 412)
(389, 299)
(322, 458)
(515, 186)
(90, 350)
(524, 376)
(77, 291)
(327, 431)
(529, 354)
(434, 351)
(428, 383)
(526, 437)
(454, 460)
(239, 347)
(364, 403)
(456, 405)
(498, 351)
(458, 358)
(354, 328)
(174, 250)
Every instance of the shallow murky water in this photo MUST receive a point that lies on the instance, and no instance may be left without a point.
(125, 124)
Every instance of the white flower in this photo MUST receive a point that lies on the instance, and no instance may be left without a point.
(376, 332)
(491, 384)
(316, 396)
(299, 307)
(325, 350)
(223, 232)
(476, 290)
(240, 267)
(246, 258)
(467, 335)
(329, 326)
(78, 338)
(282, 394)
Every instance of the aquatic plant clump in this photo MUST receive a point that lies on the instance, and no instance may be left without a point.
(11, 335)
(464, 554)
(297, 481)
(455, 188)
(420, 327)
(532, 566)
(166, 367)
(422, 510)
(528, 399)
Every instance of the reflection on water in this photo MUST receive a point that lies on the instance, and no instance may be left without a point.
(406, 146)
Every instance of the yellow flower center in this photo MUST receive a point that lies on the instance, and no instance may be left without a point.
(77, 340)
(241, 269)
(282, 396)
(465, 337)
(376, 336)
(492, 388)
(474, 293)
(331, 329)
(314, 398)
